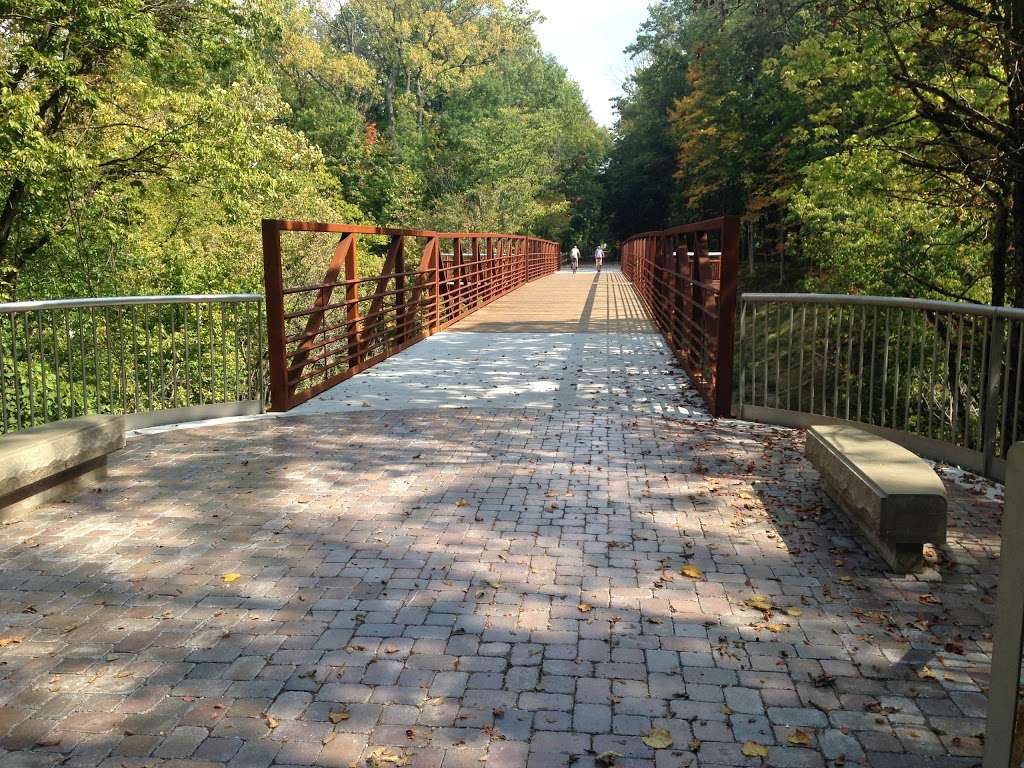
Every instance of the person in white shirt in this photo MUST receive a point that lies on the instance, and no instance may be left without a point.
(599, 257)
(575, 256)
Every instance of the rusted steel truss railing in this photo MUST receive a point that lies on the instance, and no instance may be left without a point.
(687, 278)
(324, 330)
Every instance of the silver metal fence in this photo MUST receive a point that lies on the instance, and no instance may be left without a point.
(942, 378)
(156, 359)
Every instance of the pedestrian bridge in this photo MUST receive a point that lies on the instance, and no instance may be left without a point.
(511, 533)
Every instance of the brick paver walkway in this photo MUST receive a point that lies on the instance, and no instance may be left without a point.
(485, 586)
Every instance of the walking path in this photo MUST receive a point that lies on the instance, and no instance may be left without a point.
(528, 548)
(564, 341)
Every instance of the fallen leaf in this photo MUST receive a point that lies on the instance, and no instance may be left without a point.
(658, 738)
(272, 722)
(799, 738)
(692, 571)
(586, 608)
(761, 603)
(338, 717)
(228, 578)
(753, 749)
(607, 759)
(794, 611)
(461, 503)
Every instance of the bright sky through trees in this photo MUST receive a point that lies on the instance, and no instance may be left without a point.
(588, 37)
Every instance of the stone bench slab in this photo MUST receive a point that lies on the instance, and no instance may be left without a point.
(51, 460)
(893, 497)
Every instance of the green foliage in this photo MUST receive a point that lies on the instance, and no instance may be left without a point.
(141, 144)
(869, 146)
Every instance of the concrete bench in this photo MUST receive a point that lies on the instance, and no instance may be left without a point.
(895, 499)
(53, 460)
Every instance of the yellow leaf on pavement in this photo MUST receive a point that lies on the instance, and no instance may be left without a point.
(799, 738)
(658, 738)
(338, 717)
(231, 577)
(753, 749)
(692, 571)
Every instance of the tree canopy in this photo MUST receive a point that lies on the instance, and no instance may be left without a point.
(871, 146)
(141, 141)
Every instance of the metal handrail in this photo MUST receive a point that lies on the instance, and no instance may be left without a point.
(124, 301)
(899, 302)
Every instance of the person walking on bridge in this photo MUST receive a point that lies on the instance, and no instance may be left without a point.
(574, 255)
(599, 257)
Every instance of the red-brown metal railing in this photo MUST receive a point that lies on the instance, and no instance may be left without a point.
(686, 276)
(323, 333)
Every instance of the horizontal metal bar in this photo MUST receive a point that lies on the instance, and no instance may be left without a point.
(124, 301)
(947, 307)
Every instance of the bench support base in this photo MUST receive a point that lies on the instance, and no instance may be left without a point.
(53, 488)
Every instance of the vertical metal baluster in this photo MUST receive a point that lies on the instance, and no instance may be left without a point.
(188, 371)
(988, 324)
(947, 373)
(236, 310)
(753, 354)
(161, 368)
(224, 351)
(860, 364)
(743, 353)
(767, 348)
(19, 410)
(874, 357)
(824, 361)
(149, 359)
(31, 375)
(71, 363)
(839, 360)
(135, 360)
(56, 363)
(849, 358)
(1004, 405)
(110, 359)
(814, 343)
(1016, 389)
(968, 383)
(4, 422)
(778, 355)
(920, 371)
(789, 358)
(885, 370)
(898, 328)
(803, 344)
(213, 353)
(123, 374)
(931, 372)
(958, 372)
(44, 385)
(259, 352)
(172, 392)
(95, 357)
(910, 370)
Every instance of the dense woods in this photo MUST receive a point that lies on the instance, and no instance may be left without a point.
(871, 146)
(141, 141)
